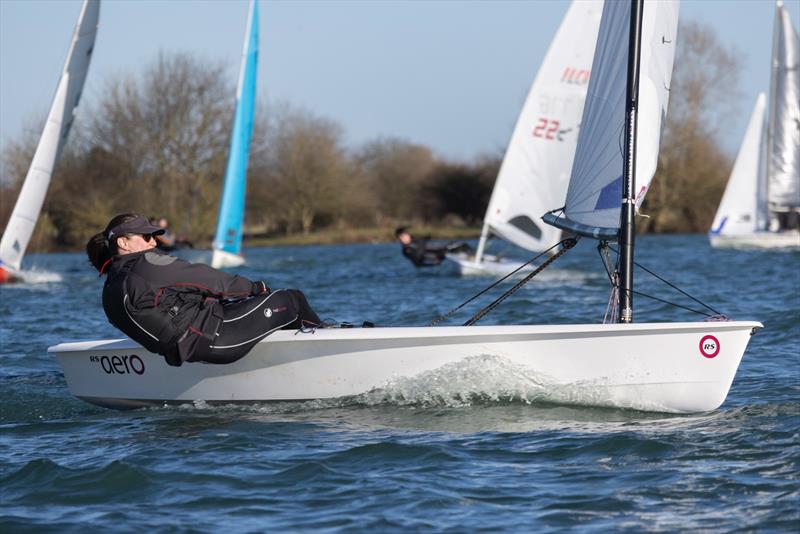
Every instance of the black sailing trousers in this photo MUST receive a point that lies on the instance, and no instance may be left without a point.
(246, 322)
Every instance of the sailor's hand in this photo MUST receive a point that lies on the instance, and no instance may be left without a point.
(260, 288)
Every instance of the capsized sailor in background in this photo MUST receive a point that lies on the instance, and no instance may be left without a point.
(186, 311)
(423, 252)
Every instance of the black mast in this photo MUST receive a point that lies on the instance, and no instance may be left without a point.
(627, 228)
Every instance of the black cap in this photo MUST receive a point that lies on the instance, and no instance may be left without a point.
(137, 225)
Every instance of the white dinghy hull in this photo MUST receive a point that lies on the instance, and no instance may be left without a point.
(662, 367)
(221, 259)
(787, 240)
(488, 265)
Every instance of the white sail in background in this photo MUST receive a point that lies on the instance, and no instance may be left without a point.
(741, 210)
(756, 211)
(595, 190)
(536, 168)
(59, 121)
(784, 138)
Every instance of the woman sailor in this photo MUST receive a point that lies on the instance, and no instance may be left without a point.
(186, 311)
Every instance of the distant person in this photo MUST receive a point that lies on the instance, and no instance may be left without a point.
(423, 253)
(186, 311)
(781, 221)
(168, 241)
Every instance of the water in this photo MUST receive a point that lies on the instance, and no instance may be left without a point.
(443, 456)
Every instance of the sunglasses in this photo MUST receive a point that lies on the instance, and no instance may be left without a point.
(146, 237)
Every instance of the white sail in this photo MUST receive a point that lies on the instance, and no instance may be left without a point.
(536, 168)
(595, 190)
(741, 210)
(784, 138)
(59, 121)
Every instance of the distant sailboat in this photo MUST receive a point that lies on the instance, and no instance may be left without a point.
(228, 240)
(665, 367)
(761, 204)
(535, 171)
(26, 211)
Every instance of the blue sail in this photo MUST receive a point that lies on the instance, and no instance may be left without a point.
(231, 209)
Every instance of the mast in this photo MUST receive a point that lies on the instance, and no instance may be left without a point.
(627, 229)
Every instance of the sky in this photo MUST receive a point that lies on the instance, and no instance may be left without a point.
(452, 75)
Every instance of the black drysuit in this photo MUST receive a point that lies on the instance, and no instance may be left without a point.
(191, 312)
(423, 255)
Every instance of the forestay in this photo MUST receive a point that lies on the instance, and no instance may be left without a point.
(536, 168)
(231, 212)
(784, 150)
(595, 190)
(742, 209)
(59, 121)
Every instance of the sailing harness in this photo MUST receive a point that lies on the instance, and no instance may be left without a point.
(611, 270)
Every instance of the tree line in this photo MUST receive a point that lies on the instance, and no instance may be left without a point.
(157, 144)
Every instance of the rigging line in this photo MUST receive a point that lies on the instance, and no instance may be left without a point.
(602, 249)
(673, 286)
(567, 244)
(451, 312)
(633, 291)
(611, 306)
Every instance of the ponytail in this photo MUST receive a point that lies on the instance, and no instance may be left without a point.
(99, 248)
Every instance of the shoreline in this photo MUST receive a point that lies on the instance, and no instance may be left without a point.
(342, 236)
(346, 236)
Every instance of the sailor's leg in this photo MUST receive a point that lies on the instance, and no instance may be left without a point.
(306, 316)
(247, 322)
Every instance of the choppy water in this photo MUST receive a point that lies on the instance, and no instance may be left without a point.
(444, 455)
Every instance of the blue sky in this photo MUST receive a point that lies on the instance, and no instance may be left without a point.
(448, 74)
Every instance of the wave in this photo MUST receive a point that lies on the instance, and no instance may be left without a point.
(35, 277)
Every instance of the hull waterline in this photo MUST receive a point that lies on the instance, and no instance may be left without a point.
(662, 367)
(488, 266)
(7, 275)
(789, 240)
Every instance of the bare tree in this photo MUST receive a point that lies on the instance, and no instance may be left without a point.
(305, 170)
(16, 159)
(462, 190)
(397, 172)
(693, 168)
(168, 133)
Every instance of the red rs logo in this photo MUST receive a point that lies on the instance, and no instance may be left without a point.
(709, 346)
